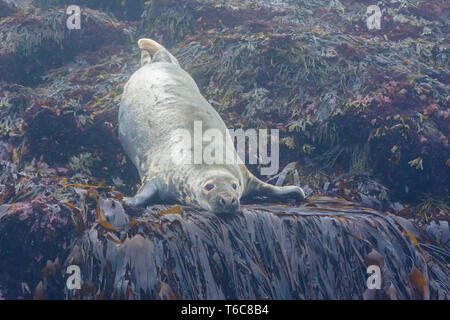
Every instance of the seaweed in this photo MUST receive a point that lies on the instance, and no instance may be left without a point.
(433, 207)
(35, 32)
(168, 21)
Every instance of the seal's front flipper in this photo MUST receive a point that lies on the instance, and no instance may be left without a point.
(152, 51)
(257, 188)
(147, 194)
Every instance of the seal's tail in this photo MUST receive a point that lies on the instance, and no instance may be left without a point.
(152, 51)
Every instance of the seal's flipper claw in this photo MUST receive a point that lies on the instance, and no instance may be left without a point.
(293, 192)
(288, 192)
(298, 195)
(145, 195)
(258, 188)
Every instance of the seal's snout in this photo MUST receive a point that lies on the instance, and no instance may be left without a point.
(227, 203)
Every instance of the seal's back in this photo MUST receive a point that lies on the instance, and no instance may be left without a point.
(159, 99)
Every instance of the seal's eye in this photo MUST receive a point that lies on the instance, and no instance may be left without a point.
(209, 187)
(234, 186)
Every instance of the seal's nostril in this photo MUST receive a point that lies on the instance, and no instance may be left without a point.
(233, 201)
(222, 201)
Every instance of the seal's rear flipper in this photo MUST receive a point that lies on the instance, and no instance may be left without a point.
(147, 194)
(257, 188)
(152, 51)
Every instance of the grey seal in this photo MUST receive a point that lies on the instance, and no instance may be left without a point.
(158, 101)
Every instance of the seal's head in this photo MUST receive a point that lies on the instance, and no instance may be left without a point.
(220, 194)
